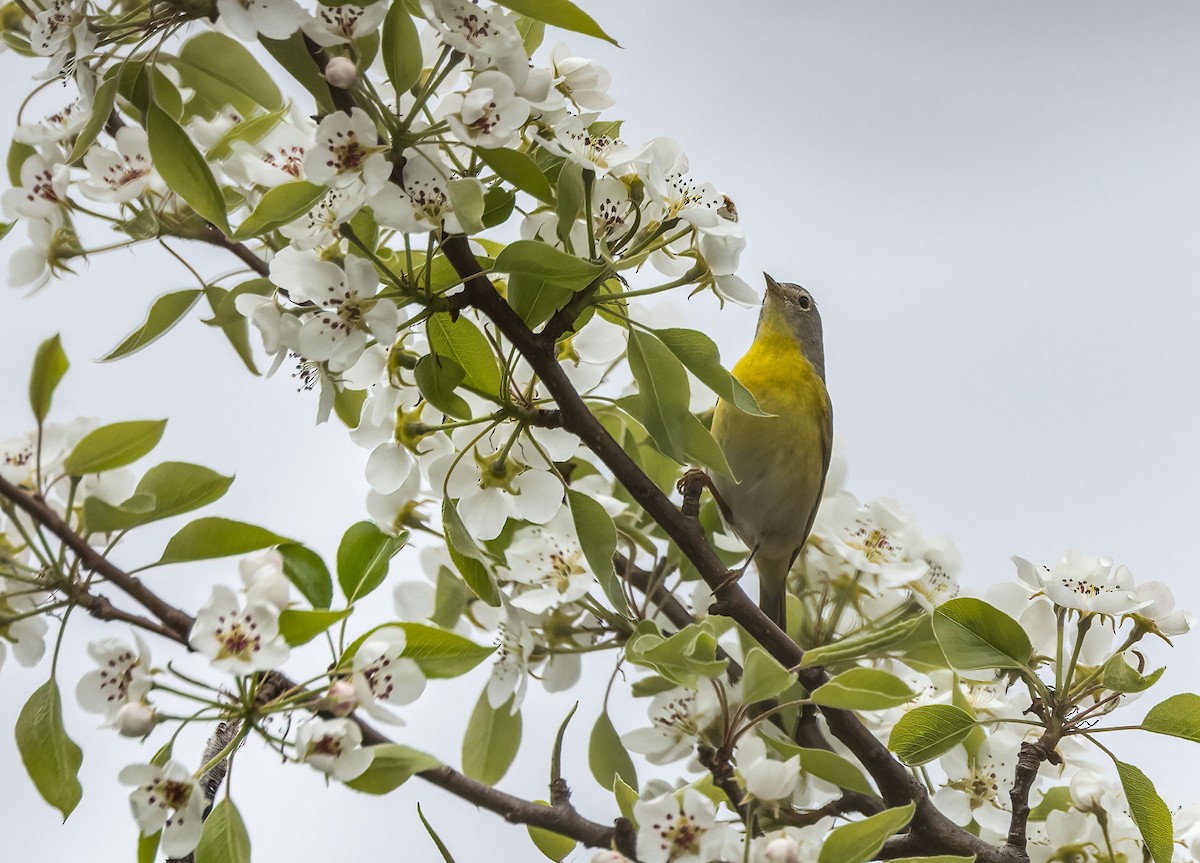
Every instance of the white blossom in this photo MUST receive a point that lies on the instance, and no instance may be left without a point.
(422, 200)
(235, 639)
(581, 80)
(333, 746)
(677, 717)
(488, 114)
(332, 25)
(319, 227)
(122, 678)
(43, 187)
(122, 175)
(672, 830)
(166, 798)
(766, 778)
(548, 560)
(347, 151)
(383, 677)
(248, 19)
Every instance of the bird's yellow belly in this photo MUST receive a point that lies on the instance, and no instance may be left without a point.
(778, 461)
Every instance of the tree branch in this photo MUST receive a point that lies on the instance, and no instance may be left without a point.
(894, 781)
(177, 624)
(1029, 761)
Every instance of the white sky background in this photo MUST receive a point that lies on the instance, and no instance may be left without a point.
(996, 206)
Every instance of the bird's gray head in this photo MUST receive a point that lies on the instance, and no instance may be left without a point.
(794, 307)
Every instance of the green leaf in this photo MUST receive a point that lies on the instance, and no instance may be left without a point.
(491, 741)
(541, 261)
(49, 366)
(928, 732)
(363, 557)
(1119, 676)
(470, 561)
(1056, 799)
(517, 168)
(662, 404)
(182, 167)
(764, 677)
(859, 841)
(832, 767)
(226, 60)
(862, 644)
(300, 626)
(213, 537)
(973, 634)
(700, 355)
(1178, 716)
(292, 54)
(279, 206)
(569, 200)
(17, 154)
(463, 342)
(114, 446)
(440, 653)
(1149, 812)
(498, 205)
(554, 846)
(535, 300)
(863, 689)
(165, 312)
(305, 569)
(224, 839)
(437, 840)
(559, 13)
(102, 105)
(466, 199)
(437, 377)
(251, 130)
(402, 57)
(598, 539)
(168, 489)
(147, 847)
(607, 756)
(51, 758)
(532, 33)
(392, 766)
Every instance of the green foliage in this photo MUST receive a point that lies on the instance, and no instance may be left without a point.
(661, 404)
(859, 841)
(491, 742)
(300, 626)
(165, 312)
(182, 167)
(49, 366)
(102, 105)
(763, 677)
(307, 571)
(973, 634)
(598, 539)
(554, 846)
(607, 756)
(1119, 676)
(171, 488)
(224, 839)
(114, 446)
(1149, 812)
(468, 558)
(559, 13)
(278, 206)
(684, 658)
(363, 557)
(517, 168)
(439, 653)
(1178, 716)
(863, 689)
(392, 765)
(212, 537)
(466, 198)
(861, 645)
(51, 758)
(401, 48)
(699, 354)
(824, 764)
(223, 72)
(928, 732)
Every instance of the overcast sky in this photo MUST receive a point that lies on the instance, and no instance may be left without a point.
(997, 206)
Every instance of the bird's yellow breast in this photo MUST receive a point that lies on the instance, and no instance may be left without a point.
(779, 461)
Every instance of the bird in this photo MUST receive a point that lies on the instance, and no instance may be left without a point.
(779, 462)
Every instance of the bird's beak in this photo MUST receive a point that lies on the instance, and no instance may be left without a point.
(773, 286)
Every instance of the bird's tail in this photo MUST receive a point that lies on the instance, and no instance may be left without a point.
(772, 587)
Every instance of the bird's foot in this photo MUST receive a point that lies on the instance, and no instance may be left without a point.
(691, 486)
(732, 577)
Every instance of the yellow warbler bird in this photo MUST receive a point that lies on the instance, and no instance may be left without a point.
(779, 461)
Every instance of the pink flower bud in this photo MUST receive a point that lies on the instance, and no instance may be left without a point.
(341, 72)
(341, 700)
(135, 720)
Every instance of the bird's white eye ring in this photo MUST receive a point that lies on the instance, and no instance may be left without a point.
(805, 302)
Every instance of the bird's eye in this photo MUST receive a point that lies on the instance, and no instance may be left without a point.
(805, 302)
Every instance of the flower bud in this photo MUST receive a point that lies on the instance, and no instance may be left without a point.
(341, 72)
(785, 849)
(135, 720)
(1087, 791)
(341, 700)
